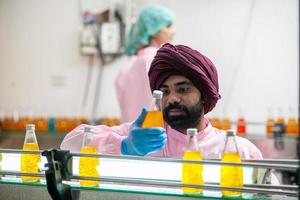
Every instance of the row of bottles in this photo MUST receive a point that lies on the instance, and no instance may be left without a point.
(231, 176)
(109, 121)
(60, 124)
(291, 125)
(226, 124)
(42, 124)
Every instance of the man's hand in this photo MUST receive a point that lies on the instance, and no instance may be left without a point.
(141, 141)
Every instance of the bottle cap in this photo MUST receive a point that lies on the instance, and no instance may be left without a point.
(87, 129)
(192, 131)
(157, 94)
(230, 133)
(30, 127)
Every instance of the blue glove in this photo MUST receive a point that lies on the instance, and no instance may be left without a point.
(141, 141)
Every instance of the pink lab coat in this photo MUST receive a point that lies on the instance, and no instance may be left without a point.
(132, 85)
(211, 142)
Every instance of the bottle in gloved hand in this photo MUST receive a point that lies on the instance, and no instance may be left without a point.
(87, 165)
(192, 173)
(30, 162)
(142, 141)
(154, 117)
(231, 176)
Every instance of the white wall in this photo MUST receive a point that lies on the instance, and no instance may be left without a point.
(254, 45)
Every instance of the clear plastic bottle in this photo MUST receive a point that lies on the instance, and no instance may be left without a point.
(87, 165)
(154, 117)
(192, 173)
(231, 176)
(30, 162)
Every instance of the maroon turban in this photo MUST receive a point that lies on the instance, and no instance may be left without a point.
(185, 61)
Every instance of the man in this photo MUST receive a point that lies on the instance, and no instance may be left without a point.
(189, 83)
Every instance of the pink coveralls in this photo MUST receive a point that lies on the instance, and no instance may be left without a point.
(211, 142)
(132, 85)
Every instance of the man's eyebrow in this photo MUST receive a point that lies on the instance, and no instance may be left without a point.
(164, 86)
(186, 82)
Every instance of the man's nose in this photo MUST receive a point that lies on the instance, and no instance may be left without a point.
(173, 98)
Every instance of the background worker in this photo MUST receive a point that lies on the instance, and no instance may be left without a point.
(152, 29)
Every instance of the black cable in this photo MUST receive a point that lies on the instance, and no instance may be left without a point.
(87, 81)
(100, 74)
(298, 144)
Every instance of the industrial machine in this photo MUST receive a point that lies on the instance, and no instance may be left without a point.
(132, 177)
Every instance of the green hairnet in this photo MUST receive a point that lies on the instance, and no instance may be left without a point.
(150, 21)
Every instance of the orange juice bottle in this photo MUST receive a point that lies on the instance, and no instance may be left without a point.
(226, 124)
(192, 173)
(216, 122)
(154, 117)
(30, 162)
(0, 164)
(291, 125)
(280, 118)
(41, 124)
(1, 119)
(241, 126)
(231, 176)
(22, 123)
(270, 123)
(88, 166)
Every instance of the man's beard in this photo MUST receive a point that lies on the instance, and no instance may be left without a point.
(189, 117)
